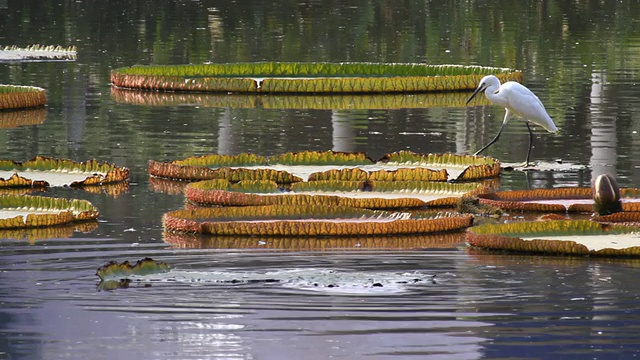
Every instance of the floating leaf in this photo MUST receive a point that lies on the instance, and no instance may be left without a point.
(329, 165)
(25, 211)
(577, 237)
(372, 195)
(38, 53)
(281, 77)
(42, 172)
(20, 97)
(311, 220)
(565, 199)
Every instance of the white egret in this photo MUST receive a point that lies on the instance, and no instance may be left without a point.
(517, 100)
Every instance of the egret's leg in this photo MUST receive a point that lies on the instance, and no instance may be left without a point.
(507, 116)
(526, 163)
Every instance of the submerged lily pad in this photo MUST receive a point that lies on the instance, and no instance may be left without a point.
(311, 220)
(282, 77)
(309, 101)
(361, 194)
(33, 211)
(38, 53)
(329, 165)
(20, 97)
(568, 199)
(43, 172)
(578, 237)
(117, 271)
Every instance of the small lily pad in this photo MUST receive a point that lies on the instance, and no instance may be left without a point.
(21, 97)
(574, 237)
(310, 220)
(43, 172)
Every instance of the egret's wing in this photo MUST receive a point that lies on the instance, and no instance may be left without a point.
(526, 104)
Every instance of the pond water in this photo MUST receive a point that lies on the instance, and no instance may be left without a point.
(399, 297)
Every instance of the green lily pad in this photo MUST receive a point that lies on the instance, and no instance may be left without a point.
(329, 165)
(575, 237)
(360, 194)
(282, 77)
(24, 211)
(43, 172)
(38, 53)
(310, 220)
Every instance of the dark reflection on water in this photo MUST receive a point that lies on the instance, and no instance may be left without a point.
(581, 58)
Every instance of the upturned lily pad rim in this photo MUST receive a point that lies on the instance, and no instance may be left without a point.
(63, 211)
(38, 52)
(510, 237)
(360, 194)
(98, 173)
(525, 200)
(311, 77)
(21, 97)
(285, 220)
(410, 166)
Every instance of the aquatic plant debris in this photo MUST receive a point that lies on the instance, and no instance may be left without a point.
(311, 77)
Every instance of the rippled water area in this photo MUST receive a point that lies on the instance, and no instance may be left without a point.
(417, 297)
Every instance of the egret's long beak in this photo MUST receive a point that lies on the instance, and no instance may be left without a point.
(478, 90)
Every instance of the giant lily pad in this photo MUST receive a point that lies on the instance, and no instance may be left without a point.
(306, 243)
(578, 237)
(38, 53)
(280, 77)
(371, 195)
(311, 220)
(555, 200)
(329, 165)
(310, 101)
(34, 211)
(42, 172)
(20, 97)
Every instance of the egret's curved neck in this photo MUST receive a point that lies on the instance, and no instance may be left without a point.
(495, 96)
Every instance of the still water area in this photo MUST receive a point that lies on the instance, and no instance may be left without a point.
(416, 297)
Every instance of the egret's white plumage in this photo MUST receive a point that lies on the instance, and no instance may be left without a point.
(517, 100)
